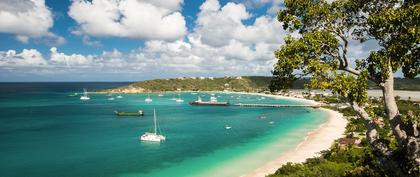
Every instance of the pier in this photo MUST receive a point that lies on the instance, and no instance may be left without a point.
(273, 105)
(202, 103)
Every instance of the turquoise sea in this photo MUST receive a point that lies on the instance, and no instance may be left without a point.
(45, 131)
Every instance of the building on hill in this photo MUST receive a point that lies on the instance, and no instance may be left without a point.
(342, 142)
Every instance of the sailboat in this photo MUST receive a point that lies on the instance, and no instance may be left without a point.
(148, 99)
(153, 136)
(85, 95)
(173, 98)
(179, 100)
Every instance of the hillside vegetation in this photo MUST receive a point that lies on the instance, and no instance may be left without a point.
(248, 83)
(245, 83)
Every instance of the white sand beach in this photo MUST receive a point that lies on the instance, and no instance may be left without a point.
(316, 141)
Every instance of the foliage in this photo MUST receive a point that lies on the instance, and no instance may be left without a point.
(246, 83)
(320, 51)
(338, 161)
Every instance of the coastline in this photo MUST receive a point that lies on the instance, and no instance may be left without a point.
(320, 139)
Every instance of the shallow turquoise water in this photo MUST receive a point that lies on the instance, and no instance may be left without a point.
(54, 134)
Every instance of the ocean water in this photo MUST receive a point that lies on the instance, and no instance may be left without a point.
(46, 131)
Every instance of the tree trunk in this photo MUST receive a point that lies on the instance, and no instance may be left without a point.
(406, 136)
(372, 137)
(372, 134)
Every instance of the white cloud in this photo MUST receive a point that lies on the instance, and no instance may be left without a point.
(217, 26)
(220, 44)
(88, 41)
(62, 59)
(27, 58)
(28, 19)
(149, 20)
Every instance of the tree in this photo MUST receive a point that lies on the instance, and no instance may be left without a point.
(321, 51)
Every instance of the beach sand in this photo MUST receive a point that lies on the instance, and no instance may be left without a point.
(316, 141)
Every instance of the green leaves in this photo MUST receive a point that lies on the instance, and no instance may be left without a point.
(326, 28)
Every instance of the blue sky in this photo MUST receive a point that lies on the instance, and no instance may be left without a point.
(130, 40)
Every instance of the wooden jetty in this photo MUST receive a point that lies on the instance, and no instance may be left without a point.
(274, 105)
(251, 104)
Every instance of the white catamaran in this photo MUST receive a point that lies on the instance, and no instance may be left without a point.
(85, 95)
(153, 136)
(179, 100)
(148, 99)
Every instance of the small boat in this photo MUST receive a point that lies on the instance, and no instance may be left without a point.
(119, 96)
(262, 117)
(75, 94)
(148, 99)
(179, 100)
(227, 127)
(160, 95)
(173, 98)
(85, 95)
(213, 99)
(271, 122)
(153, 136)
(111, 98)
(138, 113)
(194, 93)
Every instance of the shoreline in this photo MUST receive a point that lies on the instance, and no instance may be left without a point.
(320, 139)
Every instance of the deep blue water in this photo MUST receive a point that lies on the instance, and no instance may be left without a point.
(46, 131)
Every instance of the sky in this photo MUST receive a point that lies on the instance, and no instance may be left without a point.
(132, 40)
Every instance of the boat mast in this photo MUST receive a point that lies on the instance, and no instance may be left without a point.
(154, 115)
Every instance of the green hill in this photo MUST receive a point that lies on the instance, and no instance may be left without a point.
(245, 83)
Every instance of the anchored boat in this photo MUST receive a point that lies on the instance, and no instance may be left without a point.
(153, 136)
(212, 102)
(138, 113)
(85, 95)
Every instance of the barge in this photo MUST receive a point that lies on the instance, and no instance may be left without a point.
(138, 113)
(208, 103)
(212, 102)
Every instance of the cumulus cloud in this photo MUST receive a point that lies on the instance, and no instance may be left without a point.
(219, 44)
(141, 19)
(89, 42)
(27, 58)
(28, 19)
